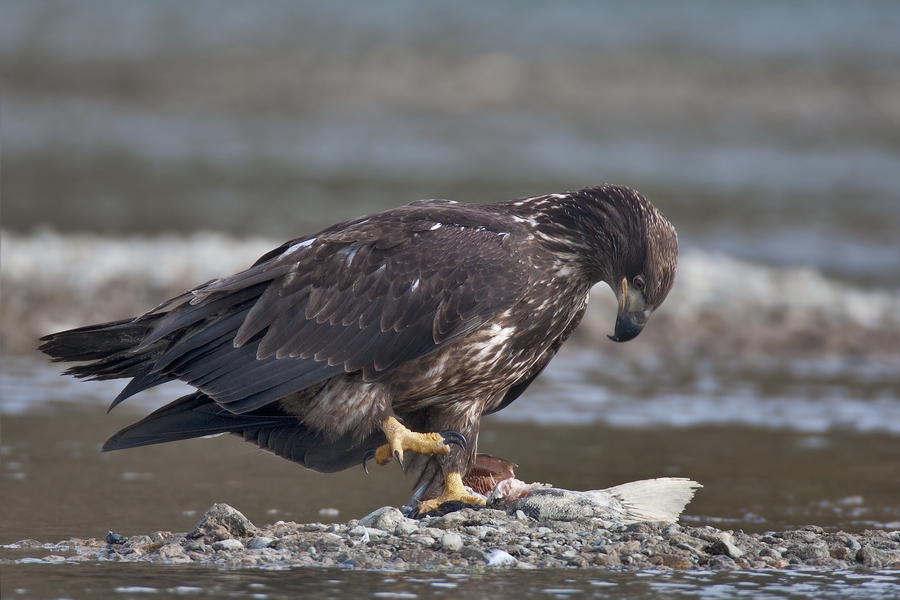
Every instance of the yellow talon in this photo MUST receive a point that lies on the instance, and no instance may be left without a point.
(454, 490)
(401, 439)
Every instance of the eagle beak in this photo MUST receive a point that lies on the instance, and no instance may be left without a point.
(632, 314)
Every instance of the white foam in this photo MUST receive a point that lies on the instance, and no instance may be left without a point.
(85, 261)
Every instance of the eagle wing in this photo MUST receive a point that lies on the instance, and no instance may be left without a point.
(366, 295)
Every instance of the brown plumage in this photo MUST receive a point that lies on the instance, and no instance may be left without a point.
(435, 312)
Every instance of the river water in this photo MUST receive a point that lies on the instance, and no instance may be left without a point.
(149, 147)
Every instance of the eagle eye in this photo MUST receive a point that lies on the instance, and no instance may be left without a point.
(639, 283)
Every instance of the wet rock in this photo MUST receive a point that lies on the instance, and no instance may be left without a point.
(115, 538)
(724, 547)
(721, 562)
(675, 561)
(385, 518)
(488, 537)
(173, 553)
(472, 553)
(261, 542)
(875, 558)
(815, 549)
(406, 527)
(230, 545)
(222, 522)
(25, 545)
(451, 542)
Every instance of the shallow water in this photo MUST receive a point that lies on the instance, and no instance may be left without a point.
(107, 580)
(767, 131)
(56, 483)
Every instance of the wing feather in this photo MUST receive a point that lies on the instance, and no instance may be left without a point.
(365, 295)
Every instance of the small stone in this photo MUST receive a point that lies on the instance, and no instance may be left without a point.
(174, 553)
(385, 518)
(674, 561)
(424, 540)
(840, 553)
(671, 529)
(374, 532)
(258, 543)
(222, 522)
(25, 544)
(115, 538)
(814, 551)
(406, 527)
(451, 542)
(721, 562)
(472, 553)
(780, 564)
(450, 520)
(231, 545)
(872, 557)
(520, 515)
(195, 546)
(726, 548)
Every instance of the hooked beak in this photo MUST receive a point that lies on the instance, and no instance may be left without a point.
(632, 314)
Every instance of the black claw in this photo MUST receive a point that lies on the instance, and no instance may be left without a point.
(454, 437)
(397, 456)
(369, 454)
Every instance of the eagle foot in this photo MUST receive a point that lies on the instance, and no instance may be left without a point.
(454, 491)
(401, 439)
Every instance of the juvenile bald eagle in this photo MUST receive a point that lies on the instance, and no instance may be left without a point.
(386, 336)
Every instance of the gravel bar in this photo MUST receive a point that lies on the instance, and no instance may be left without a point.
(472, 539)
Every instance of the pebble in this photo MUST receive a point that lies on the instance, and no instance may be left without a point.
(258, 543)
(451, 542)
(726, 548)
(230, 545)
(471, 539)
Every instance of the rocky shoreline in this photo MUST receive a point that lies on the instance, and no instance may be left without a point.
(473, 539)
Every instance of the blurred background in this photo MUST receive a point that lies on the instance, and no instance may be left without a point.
(767, 130)
(147, 147)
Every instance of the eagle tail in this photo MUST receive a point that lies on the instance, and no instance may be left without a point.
(114, 351)
(191, 416)
(100, 342)
(198, 415)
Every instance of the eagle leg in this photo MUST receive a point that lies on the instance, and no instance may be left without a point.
(401, 439)
(454, 491)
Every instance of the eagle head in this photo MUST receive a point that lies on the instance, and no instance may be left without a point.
(641, 263)
(613, 234)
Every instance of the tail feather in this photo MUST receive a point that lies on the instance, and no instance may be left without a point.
(110, 347)
(94, 342)
(198, 415)
(192, 416)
